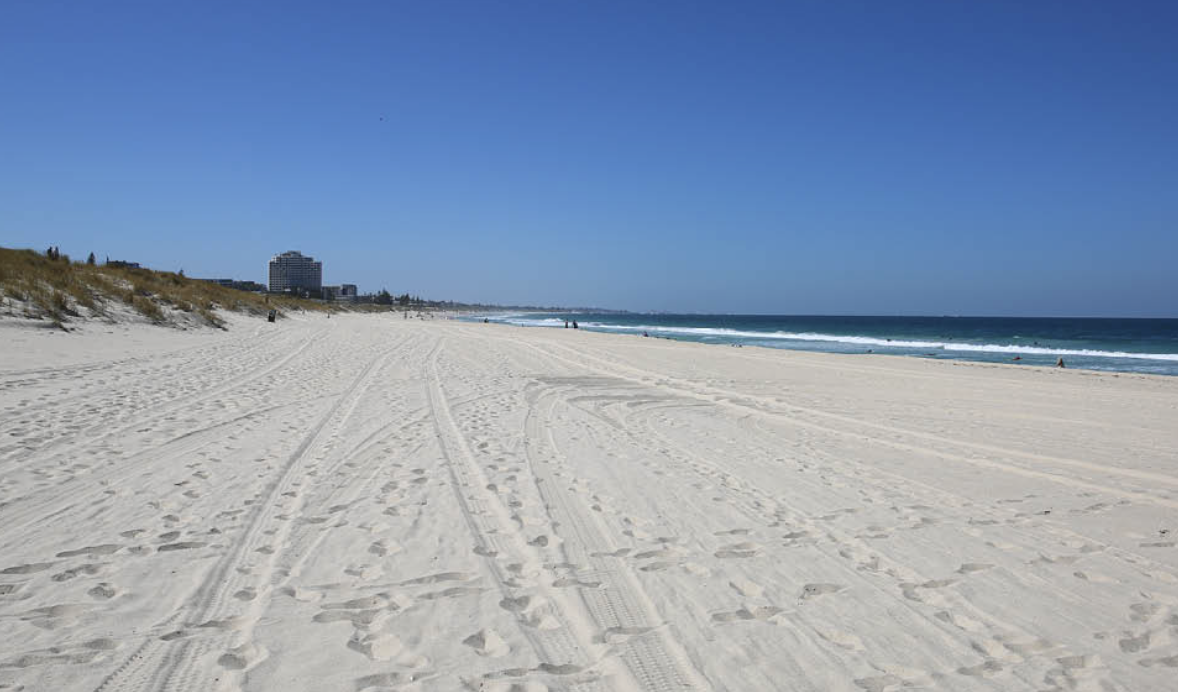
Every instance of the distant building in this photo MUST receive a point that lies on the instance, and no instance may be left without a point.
(295, 271)
(346, 292)
(120, 264)
(253, 286)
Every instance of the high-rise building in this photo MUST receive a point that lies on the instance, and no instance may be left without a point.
(294, 270)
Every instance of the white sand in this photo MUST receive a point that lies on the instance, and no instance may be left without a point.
(373, 503)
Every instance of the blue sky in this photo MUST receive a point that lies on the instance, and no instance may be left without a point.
(1015, 158)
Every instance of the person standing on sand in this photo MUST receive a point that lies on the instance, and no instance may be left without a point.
(1059, 363)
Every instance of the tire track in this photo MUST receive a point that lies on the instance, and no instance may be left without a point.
(620, 605)
(81, 440)
(739, 401)
(183, 664)
(557, 647)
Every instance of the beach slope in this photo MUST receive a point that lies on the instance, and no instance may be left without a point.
(376, 503)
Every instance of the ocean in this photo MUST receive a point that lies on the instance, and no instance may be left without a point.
(1119, 345)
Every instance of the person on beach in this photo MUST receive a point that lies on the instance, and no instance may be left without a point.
(574, 324)
(1059, 363)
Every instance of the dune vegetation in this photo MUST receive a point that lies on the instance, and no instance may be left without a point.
(58, 290)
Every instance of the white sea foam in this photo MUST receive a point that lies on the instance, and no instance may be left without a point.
(814, 337)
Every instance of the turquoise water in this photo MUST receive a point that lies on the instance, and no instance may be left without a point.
(1120, 345)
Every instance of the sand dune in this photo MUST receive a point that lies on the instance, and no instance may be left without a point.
(369, 503)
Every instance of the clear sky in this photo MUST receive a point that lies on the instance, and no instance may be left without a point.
(933, 157)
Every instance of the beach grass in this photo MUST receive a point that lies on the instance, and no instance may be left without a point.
(60, 290)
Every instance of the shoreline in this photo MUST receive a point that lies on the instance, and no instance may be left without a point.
(1118, 346)
(802, 352)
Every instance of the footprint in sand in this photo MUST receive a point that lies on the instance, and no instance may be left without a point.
(516, 605)
(960, 621)
(794, 537)
(621, 634)
(815, 590)
(738, 550)
(733, 532)
(88, 569)
(384, 548)
(1133, 644)
(27, 569)
(843, 640)
(762, 613)
(439, 577)
(620, 552)
(52, 617)
(229, 624)
(242, 657)
(568, 582)
(487, 643)
(103, 592)
(183, 545)
(746, 587)
(377, 647)
(982, 670)
(1094, 578)
(452, 592)
(880, 683)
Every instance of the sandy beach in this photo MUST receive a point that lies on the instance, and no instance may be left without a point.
(372, 503)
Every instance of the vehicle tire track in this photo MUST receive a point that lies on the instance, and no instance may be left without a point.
(185, 663)
(494, 536)
(655, 661)
(738, 401)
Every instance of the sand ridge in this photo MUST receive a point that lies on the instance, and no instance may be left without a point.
(371, 503)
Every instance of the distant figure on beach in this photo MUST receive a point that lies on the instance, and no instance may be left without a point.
(645, 334)
(574, 324)
(1059, 363)
(486, 321)
(566, 324)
